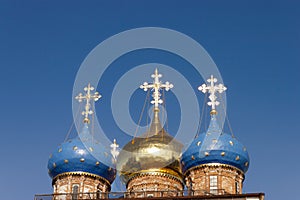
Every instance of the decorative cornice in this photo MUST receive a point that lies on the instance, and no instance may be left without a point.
(80, 173)
(215, 165)
(169, 173)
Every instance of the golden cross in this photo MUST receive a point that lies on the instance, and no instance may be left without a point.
(87, 98)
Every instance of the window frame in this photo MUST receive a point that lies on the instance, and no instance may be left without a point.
(75, 194)
(213, 184)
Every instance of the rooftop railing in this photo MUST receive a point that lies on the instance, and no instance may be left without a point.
(135, 194)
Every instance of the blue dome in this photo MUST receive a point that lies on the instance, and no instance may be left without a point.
(215, 147)
(73, 156)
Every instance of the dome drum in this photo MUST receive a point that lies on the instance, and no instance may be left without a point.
(228, 179)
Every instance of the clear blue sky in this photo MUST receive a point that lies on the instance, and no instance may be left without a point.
(255, 44)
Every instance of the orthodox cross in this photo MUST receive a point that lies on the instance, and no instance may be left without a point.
(212, 89)
(157, 85)
(114, 149)
(87, 98)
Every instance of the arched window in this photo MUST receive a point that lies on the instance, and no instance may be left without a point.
(213, 184)
(75, 189)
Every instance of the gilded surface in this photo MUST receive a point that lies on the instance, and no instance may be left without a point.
(154, 150)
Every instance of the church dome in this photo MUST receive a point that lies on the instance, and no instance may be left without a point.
(155, 152)
(215, 147)
(73, 157)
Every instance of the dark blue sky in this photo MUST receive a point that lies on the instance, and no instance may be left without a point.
(255, 45)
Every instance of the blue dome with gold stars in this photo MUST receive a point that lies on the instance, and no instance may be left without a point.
(75, 157)
(215, 147)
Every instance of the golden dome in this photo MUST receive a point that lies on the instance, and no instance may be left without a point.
(155, 151)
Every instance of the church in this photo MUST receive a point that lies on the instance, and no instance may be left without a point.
(154, 164)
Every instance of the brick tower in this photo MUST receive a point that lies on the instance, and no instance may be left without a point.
(215, 162)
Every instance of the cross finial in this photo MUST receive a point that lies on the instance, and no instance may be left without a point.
(114, 150)
(156, 86)
(88, 97)
(212, 89)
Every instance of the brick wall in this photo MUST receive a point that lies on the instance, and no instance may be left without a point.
(228, 179)
(65, 184)
(154, 185)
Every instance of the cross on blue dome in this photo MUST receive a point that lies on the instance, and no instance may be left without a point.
(76, 156)
(214, 146)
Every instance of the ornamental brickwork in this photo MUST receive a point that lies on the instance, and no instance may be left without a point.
(79, 184)
(154, 185)
(214, 179)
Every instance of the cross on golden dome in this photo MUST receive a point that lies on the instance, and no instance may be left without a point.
(212, 89)
(88, 97)
(156, 86)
